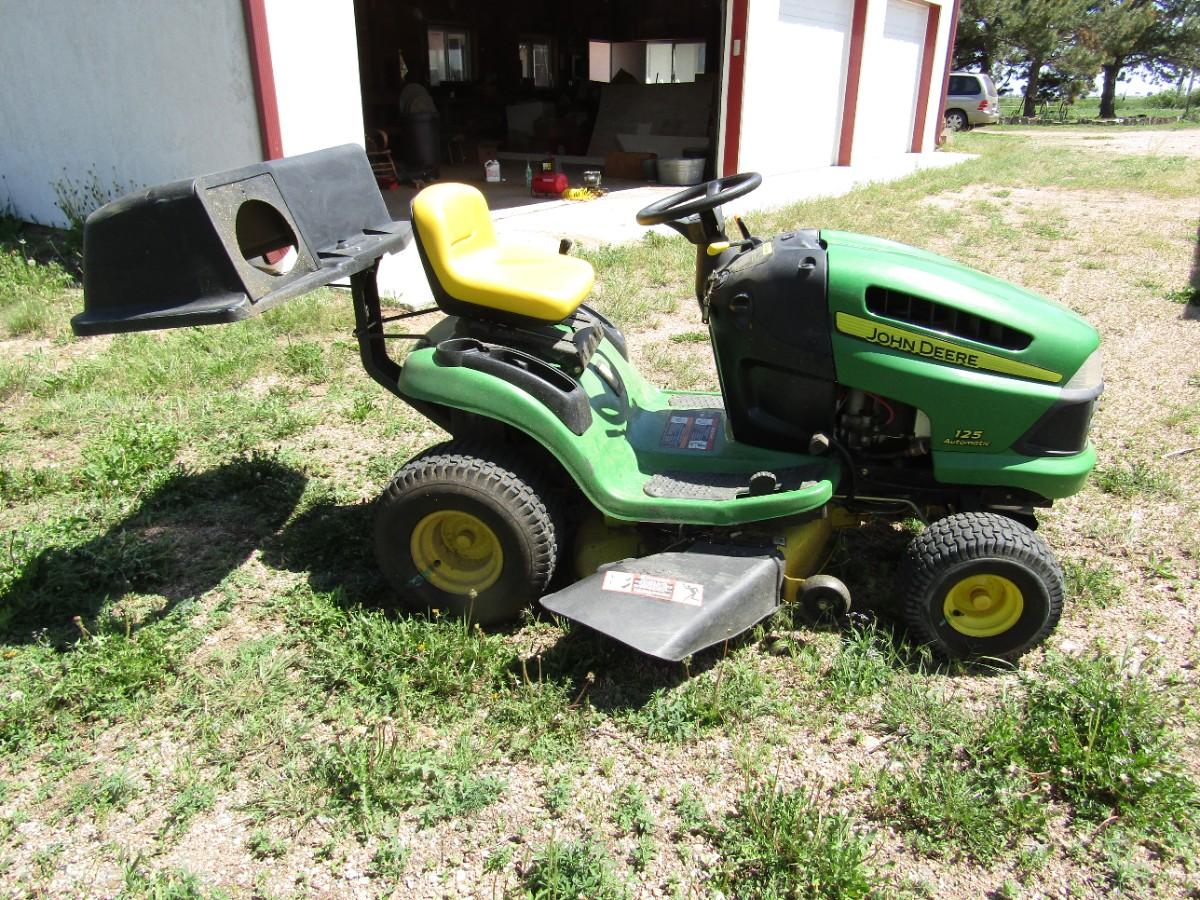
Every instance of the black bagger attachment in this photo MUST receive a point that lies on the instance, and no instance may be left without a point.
(224, 247)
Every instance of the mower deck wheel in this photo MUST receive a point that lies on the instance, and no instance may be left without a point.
(469, 532)
(824, 599)
(981, 585)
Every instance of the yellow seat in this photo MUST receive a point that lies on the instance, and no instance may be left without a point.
(458, 245)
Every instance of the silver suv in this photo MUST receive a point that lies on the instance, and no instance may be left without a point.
(971, 99)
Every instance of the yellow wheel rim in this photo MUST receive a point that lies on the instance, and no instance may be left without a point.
(983, 605)
(456, 552)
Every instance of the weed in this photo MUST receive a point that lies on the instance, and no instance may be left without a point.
(693, 817)
(128, 455)
(1098, 734)
(305, 359)
(1135, 479)
(1092, 585)
(34, 296)
(690, 337)
(567, 871)
(369, 778)
(162, 885)
(783, 844)
(867, 662)
(109, 794)
(630, 812)
(736, 692)
(498, 860)
(560, 795)
(263, 845)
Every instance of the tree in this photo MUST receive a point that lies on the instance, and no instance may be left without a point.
(1045, 32)
(979, 44)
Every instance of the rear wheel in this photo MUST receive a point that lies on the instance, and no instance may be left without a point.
(466, 534)
(956, 120)
(981, 585)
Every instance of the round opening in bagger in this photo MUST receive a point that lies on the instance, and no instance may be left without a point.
(265, 239)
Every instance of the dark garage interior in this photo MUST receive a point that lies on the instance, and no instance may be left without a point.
(606, 85)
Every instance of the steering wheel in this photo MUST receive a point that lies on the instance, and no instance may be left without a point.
(699, 198)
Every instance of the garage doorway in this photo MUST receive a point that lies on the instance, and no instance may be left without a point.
(589, 86)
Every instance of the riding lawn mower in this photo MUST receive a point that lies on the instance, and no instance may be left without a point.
(861, 380)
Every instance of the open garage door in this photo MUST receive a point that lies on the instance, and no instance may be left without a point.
(891, 82)
(795, 84)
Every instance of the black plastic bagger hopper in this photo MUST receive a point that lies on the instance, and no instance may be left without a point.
(223, 247)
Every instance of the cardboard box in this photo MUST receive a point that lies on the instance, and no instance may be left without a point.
(626, 165)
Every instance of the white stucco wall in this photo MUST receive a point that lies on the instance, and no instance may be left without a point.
(314, 54)
(137, 92)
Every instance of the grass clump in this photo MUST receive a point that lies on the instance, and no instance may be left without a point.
(734, 693)
(1095, 586)
(1099, 735)
(49, 691)
(34, 297)
(369, 778)
(783, 844)
(867, 662)
(568, 870)
(1086, 734)
(1136, 479)
(128, 455)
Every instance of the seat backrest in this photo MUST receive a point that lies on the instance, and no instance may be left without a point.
(452, 221)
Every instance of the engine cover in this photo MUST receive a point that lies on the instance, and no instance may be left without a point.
(769, 321)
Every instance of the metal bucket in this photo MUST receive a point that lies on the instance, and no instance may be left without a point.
(680, 171)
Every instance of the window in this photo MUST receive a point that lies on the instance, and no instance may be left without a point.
(964, 86)
(449, 55)
(535, 62)
(674, 63)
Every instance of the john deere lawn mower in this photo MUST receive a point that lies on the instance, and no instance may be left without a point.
(860, 379)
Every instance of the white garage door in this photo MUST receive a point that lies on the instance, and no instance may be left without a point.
(795, 84)
(887, 100)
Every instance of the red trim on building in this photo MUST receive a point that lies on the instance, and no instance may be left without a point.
(263, 74)
(735, 73)
(941, 139)
(858, 28)
(919, 123)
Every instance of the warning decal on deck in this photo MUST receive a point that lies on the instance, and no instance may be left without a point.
(689, 593)
(691, 431)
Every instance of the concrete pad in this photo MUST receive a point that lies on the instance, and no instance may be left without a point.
(611, 219)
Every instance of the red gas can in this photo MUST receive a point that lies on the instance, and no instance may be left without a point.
(549, 183)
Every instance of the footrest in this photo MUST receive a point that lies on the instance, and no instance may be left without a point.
(725, 485)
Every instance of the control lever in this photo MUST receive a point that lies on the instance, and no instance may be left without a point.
(737, 220)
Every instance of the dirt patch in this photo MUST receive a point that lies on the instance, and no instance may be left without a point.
(1184, 142)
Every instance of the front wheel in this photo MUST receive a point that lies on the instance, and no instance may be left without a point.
(467, 535)
(981, 585)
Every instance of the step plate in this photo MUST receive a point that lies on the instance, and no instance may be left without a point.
(725, 485)
(672, 605)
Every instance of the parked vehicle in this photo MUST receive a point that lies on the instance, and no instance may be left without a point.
(971, 99)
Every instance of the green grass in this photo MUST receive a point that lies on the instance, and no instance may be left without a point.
(1129, 480)
(570, 870)
(1093, 586)
(1085, 734)
(786, 844)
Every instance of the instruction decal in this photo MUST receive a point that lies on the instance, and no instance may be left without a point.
(688, 593)
(691, 431)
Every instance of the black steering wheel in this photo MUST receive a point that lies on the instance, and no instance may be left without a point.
(699, 198)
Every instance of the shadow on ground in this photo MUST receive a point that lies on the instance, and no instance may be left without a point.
(182, 540)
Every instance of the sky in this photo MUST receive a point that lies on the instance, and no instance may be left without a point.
(1136, 83)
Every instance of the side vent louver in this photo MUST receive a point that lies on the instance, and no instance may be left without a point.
(917, 311)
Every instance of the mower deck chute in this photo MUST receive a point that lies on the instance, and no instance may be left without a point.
(672, 605)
